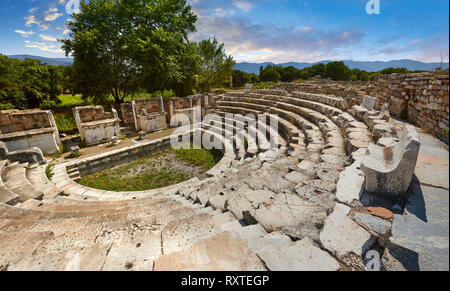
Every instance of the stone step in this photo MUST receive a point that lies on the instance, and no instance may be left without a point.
(340, 117)
(183, 234)
(287, 127)
(37, 177)
(6, 196)
(15, 180)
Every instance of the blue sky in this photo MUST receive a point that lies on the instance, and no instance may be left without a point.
(268, 30)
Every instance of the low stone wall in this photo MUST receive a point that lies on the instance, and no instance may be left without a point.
(149, 115)
(422, 99)
(178, 106)
(95, 125)
(22, 130)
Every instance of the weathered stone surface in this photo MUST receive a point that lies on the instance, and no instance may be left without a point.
(303, 255)
(326, 175)
(310, 156)
(31, 155)
(342, 236)
(258, 239)
(296, 177)
(416, 245)
(278, 185)
(74, 149)
(332, 159)
(387, 142)
(317, 196)
(350, 185)
(134, 253)
(287, 209)
(307, 168)
(303, 230)
(389, 171)
(248, 202)
(219, 253)
(373, 223)
(323, 185)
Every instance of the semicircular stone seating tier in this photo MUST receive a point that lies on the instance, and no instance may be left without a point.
(289, 207)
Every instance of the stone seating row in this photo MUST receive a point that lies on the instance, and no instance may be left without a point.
(359, 138)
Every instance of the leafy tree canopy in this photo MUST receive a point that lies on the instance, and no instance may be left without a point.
(121, 45)
(216, 66)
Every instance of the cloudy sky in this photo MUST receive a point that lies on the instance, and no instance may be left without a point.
(268, 30)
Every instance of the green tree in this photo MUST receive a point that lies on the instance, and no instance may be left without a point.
(216, 66)
(269, 74)
(338, 71)
(289, 74)
(241, 78)
(121, 45)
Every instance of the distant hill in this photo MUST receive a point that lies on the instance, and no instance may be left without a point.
(254, 67)
(362, 65)
(48, 61)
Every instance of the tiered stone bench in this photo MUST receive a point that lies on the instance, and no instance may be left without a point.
(305, 209)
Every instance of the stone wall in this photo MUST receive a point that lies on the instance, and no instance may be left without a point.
(149, 115)
(93, 113)
(16, 121)
(22, 130)
(95, 125)
(423, 99)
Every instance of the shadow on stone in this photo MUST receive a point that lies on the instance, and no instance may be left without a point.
(407, 258)
(415, 203)
(372, 200)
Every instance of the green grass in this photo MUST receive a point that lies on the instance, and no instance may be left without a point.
(149, 172)
(49, 171)
(65, 122)
(199, 157)
(74, 155)
(71, 101)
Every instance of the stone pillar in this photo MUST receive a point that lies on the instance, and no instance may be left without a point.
(135, 115)
(161, 104)
(53, 125)
(76, 115)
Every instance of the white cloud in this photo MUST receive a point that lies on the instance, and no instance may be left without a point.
(52, 14)
(414, 41)
(24, 33)
(47, 37)
(243, 5)
(31, 19)
(43, 46)
(248, 41)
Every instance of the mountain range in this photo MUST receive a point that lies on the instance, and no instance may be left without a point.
(48, 61)
(370, 66)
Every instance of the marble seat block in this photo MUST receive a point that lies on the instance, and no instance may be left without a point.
(389, 171)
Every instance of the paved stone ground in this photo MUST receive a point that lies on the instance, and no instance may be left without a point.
(420, 237)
